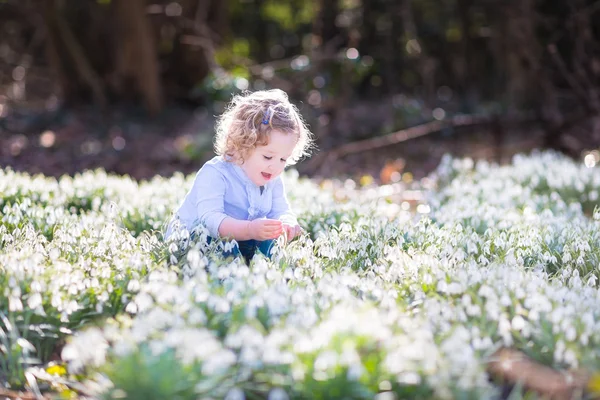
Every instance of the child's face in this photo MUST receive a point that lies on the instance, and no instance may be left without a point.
(266, 163)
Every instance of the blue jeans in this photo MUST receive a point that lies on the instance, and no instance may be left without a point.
(247, 248)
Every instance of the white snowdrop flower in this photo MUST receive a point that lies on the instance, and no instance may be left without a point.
(87, 348)
(454, 288)
(12, 283)
(559, 350)
(409, 378)
(122, 348)
(499, 241)
(505, 300)
(235, 394)
(518, 323)
(131, 308)
(54, 253)
(473, 310)
(143, 301)
(326, 360)
(34, 301)
(133, 285)
(197, 317)
(588, 319)
(466, 300)
(15, 304)
(218, 362)
(472, 247)
(427, 279)
(504, 330)
(277, 394)
(570, 334)
(442, 286)
(520, 293)
(355, 371)
(570, 358)
(575, 282)
(486, 291)
(173, 248)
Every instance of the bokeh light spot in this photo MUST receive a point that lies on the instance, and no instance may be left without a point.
(352, 53)
(118, 143)
(590, 160)
(423, 209)
(47, 139)
(444, 93)
(319, 82)
(173, 10)
(314, 98)
(268, 72)
(324, 120)
(242, 83)
(439, 114)
(18, 73)
(300, 62)
(413, 47)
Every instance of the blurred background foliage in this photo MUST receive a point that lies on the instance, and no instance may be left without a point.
(357, 68)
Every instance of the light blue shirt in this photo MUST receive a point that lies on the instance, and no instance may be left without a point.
(222, 189)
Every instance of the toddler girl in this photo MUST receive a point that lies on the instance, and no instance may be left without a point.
(239, 194)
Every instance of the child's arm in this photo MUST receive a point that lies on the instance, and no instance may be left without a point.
(258, 229)
(281, 210)
(209, 199)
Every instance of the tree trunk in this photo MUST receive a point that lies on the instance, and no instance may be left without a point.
(324, 26)
(393, 11)
(137, 65)
(66, 87)
(201, 28)
(466, 73)
(67, 57)
(261, 35)
(325, 43)
(368, 32)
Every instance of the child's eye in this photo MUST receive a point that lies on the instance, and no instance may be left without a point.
(267, 158)
(283, 160)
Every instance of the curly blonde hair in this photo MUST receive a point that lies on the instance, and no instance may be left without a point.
(249, 120)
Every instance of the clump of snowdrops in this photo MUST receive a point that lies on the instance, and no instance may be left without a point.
(372, 301)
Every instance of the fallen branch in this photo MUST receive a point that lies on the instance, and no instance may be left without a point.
(513, 367)
(403, 135)
(12, 395)
(552, 137)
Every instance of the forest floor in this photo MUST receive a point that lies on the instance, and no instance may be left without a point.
(126, 142)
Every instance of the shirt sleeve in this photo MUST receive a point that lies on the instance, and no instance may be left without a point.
(209, 187)
(281, 207)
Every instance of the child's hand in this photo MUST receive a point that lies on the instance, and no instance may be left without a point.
(264, 229)
(291, 231)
